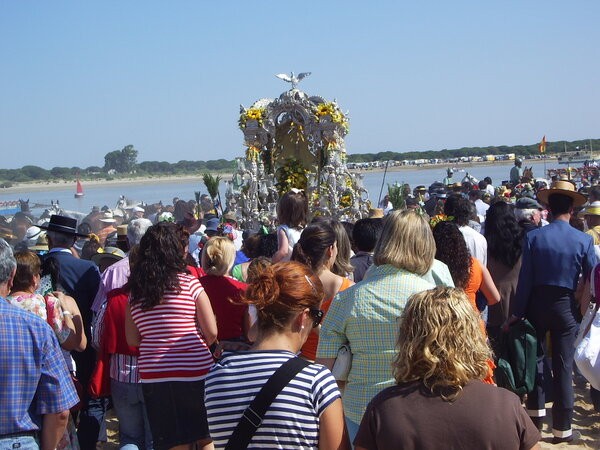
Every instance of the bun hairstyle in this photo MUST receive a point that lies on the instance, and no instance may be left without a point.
(218, 256)
(282, 290)
(311, 248)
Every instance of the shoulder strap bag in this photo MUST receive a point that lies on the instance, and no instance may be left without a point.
(255, 412)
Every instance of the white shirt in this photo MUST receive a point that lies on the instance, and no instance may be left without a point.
(476, 244)
(482, 208)
(490, 189)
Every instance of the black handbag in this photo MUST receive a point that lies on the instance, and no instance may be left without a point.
(254, 413)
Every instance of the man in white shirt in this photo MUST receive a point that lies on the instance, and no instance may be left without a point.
(480, 205)
(490, 189)
(460, 208)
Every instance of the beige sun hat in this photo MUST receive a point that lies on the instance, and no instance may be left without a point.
(593, 209)
(375, 213)
(564, 188)
(41, 244)
(107, 217)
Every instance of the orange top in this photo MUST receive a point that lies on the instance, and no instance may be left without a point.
(473, 285)
(309, 349)
(474, 282)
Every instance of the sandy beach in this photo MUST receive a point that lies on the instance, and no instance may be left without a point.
(18, 188)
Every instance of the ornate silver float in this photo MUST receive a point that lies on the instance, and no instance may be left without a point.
(294, 141)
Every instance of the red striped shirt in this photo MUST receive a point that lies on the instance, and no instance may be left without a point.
(172, 347)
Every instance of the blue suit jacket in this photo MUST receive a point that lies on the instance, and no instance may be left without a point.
(80, 279)
(554, 255)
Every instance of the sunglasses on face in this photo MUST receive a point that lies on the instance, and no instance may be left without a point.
(317, 316)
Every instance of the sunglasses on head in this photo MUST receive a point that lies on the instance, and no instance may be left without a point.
(317, 316)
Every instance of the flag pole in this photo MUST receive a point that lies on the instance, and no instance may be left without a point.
(383, 182)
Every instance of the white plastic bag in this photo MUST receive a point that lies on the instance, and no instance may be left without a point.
(587, 346)
(343, 363)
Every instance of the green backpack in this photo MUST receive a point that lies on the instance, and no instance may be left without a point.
(517, 363)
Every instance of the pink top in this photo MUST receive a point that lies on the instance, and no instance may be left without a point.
(172, 347)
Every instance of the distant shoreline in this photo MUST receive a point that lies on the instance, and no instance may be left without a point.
(19, 188)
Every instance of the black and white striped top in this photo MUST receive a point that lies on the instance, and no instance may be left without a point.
(292, 420)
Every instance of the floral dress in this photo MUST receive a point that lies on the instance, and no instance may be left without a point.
(48, 308)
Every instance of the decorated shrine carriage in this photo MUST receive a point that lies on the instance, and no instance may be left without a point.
(294, 141)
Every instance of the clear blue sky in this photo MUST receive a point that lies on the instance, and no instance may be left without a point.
(81, 79)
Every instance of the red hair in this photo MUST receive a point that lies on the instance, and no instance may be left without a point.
(281, 291)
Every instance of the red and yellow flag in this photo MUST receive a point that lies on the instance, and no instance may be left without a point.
(542, 145)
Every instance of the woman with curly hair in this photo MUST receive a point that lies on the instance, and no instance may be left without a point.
(171, 321)
(505, 246)
(440, 399)
(467, 272)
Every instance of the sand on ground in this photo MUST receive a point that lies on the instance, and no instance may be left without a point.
(585, 420)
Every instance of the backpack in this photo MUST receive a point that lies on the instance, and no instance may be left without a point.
(517, 363)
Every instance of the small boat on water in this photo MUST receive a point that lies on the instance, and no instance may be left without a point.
(79, 191)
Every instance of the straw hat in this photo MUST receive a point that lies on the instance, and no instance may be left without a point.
(563, 188)
(122, 230)
(112, 254)
(230, 216)
(40, 245)
(32, 234)
(107, 217)
(593, 209)
(375, 213)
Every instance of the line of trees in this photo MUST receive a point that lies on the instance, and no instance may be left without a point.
(522, 150)
(124, 162)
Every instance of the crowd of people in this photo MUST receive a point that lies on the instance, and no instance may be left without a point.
(316, 333)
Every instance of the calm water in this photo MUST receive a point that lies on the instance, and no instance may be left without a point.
(154, 192)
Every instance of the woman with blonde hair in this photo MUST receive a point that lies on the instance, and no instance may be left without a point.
(440, 396)
(224, 292)
(307, 411)
(365, 315)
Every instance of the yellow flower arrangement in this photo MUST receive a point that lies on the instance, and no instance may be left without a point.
(325, 109)
(332, 110)
(252, 153)
(439, 218)
(291, 175)
(346, 200)
(257, 114)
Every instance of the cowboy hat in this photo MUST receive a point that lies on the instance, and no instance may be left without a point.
(563, 188)
(63, 224)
